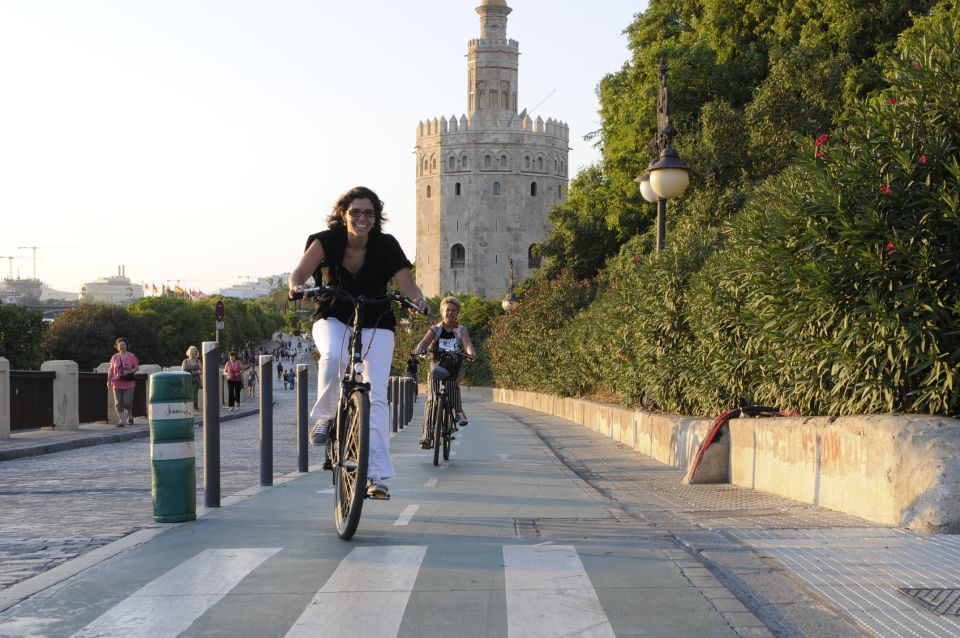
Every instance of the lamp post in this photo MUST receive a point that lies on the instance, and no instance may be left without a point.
(667, 176)
(510, 302)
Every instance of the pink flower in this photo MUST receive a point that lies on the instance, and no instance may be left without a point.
(891, 248)
(892, 101)
(923, 159)
(819, 153)
(886, 190)
(820, 140)
(635, 258)
(916, 65)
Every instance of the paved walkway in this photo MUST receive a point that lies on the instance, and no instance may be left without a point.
(770, 565)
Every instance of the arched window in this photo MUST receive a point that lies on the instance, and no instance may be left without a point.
(464, 162)
(458, 256)
(556, 165)
(496, 188)
(487, 161)
(428, 191)
(423, 169)
(526, 162)
(533, 256)
(540, 163)
(503, 161)
(533, 189)
(563, 167)
(451, 163)
(433, 163)
(456, 189)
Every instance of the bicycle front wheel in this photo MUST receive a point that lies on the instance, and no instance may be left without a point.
(350, 475)
(437, 423)
(447, 419)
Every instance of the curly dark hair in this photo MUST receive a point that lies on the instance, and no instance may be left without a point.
(335, 220)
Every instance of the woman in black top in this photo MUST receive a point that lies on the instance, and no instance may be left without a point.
(355, 254)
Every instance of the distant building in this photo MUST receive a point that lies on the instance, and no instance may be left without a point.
(117, 290)
(254, 289)
(486, 180)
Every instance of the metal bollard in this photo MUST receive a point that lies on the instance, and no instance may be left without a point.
(410, 389)
(302, 418)
(401, 404)
(211, 424)
(266, 420)
(173, 454)
(392, 398)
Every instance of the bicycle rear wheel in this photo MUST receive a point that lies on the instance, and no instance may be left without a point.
(437, 424)
(350, 474)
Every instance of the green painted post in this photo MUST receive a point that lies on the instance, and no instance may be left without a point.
(172, 452)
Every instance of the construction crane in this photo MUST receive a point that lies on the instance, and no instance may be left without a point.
(10, 262)
(34, 249)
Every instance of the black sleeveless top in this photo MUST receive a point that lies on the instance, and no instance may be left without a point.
(384, 259)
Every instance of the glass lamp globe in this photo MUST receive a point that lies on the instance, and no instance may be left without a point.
(669, 176)
(645, 189)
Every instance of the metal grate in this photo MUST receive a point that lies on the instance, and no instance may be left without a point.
(945, 602)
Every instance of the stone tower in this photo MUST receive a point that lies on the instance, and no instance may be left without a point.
(486, 180)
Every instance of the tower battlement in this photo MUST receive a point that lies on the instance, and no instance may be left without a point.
(509, 43)
(491, 121)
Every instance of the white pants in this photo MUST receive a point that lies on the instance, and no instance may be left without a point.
(332, 339)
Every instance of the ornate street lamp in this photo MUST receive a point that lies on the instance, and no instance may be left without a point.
(668, 176)
(510, 302)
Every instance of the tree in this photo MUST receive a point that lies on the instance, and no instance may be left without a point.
(178, 323)
(86, 334)
(21, 336)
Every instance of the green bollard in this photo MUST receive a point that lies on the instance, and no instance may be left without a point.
(173, 456)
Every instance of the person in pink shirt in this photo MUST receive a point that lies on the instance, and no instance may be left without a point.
(123, 366)
(233, 371)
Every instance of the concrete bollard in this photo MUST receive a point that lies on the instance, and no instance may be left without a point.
(66, 399)
(4, 398)
(173, 456)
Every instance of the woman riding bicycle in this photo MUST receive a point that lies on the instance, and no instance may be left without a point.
(356, 255)
(446, 336)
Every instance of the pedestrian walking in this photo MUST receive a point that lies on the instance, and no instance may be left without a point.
(121, 378)
(252, 378)
(194, 366)
(279, 369)
(233, 371)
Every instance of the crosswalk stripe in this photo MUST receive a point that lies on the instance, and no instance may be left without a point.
(549, 594)
(168, 605)
(406, 515)
(365, 596)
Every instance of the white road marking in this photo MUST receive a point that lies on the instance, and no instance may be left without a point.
(365, 596)
(326, 491)
(504, 457)
(549, 594)
(406, 515)
(168, 605)
(432, 482)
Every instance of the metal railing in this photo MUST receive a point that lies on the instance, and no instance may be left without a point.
(31, 399)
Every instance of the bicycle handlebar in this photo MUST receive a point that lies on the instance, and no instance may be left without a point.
(361, 300)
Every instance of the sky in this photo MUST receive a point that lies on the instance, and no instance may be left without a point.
(202, 141)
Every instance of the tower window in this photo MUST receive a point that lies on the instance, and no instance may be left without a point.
(503, 161)
(533, 256)
(526, 162)
(428, 191)
(456, 189)
(496, 188)
(451, 163)
(433, 163)
(533, 189)
(540, 163)
(458, 256)
(464, 163)
(487, 161)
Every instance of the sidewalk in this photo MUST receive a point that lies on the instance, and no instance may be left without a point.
(44, 441)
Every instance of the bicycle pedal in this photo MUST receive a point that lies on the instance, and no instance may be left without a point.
(380, 497)
(327, 465)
